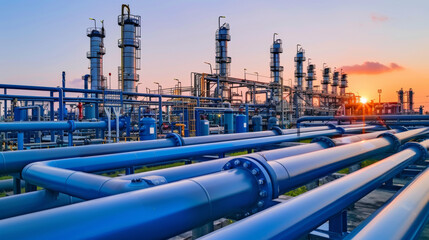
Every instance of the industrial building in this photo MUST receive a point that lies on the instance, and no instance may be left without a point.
(214, 160)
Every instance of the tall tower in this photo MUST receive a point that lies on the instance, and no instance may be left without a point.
(401, 100)
(343, 84)
(299, 62)
(311, 76)
(275, 68)
(335, 82)
(326, 79)
(95, 55)
(411, 100)
(130, 49)
(222, 38)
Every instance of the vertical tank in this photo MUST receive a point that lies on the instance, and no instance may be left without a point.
(326, 79)
(343, 84)
(411, 100)
(240, 123)
(130, 49)
(272, 122)
(95, 56)
(89, 111)
(335, 82)
(228, 121)
(204, 128)
(148, 127)
(257, 123)
(20, 114)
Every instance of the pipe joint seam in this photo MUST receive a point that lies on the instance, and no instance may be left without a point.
(331, 126)
(401, 128)
(177, 139)
(328, 141)
(277, 130)
(394, 139)
(341, 130)
(262, 178)
(424, 154)
(72, 125)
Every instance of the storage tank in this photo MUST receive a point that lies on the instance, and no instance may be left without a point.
(240, 123)
(257, 123)
(272, 122)
(204, 128)
(89, 111)
(229, 121)
(148, 127)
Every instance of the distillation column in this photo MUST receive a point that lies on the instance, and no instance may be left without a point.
(411, 100)
(95, 56)
(222, 60)
(325, 83)
(130, 49)
(335, 82)
(343, 84)
(276, 69)
(311, 76)
(299, 76)
(401, 100)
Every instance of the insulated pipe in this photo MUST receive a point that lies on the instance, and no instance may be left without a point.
(11, 162)
(141, 213)
(49, 125)
(366, 117)
(183, 172)
(404, 217)
(147, 211)
(300, 215)
(54, 175)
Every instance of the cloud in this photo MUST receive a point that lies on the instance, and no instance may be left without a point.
(75, 83)
(379, 18)
(371, 68)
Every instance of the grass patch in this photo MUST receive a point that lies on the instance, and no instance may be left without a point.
(296, 192)
(305, 141)
(237, 153)
(147, 169)
(367, 162)
(5, 177)
(344, 171)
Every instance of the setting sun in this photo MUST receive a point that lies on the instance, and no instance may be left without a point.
(363, 100)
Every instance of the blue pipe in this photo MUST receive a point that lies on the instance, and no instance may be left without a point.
(189, 171)
(11, 162)
(54, 174)
(149, 212)
(298, 216)
(366, 117)
(51, 125)
(404, 217)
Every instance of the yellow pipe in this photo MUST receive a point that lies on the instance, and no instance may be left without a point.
(182, 128)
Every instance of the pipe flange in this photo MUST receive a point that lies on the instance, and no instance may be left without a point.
(262, 179)
(341, 130)
(331, 126)
(177, 139)
(72, 125)
(329, 142)
(424, 154)
(277, 130)
(393, 138)
(401, 128)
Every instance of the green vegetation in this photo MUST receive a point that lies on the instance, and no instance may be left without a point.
(297, 191)
(5, 177)
(305, 141)
(367, 162)
(144, 169)
(237, 153)
(344, 171)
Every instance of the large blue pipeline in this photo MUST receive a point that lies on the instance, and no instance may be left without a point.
(294, 218)
(405, 216)
(176, 174)
(12, 162)
(149, 212)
